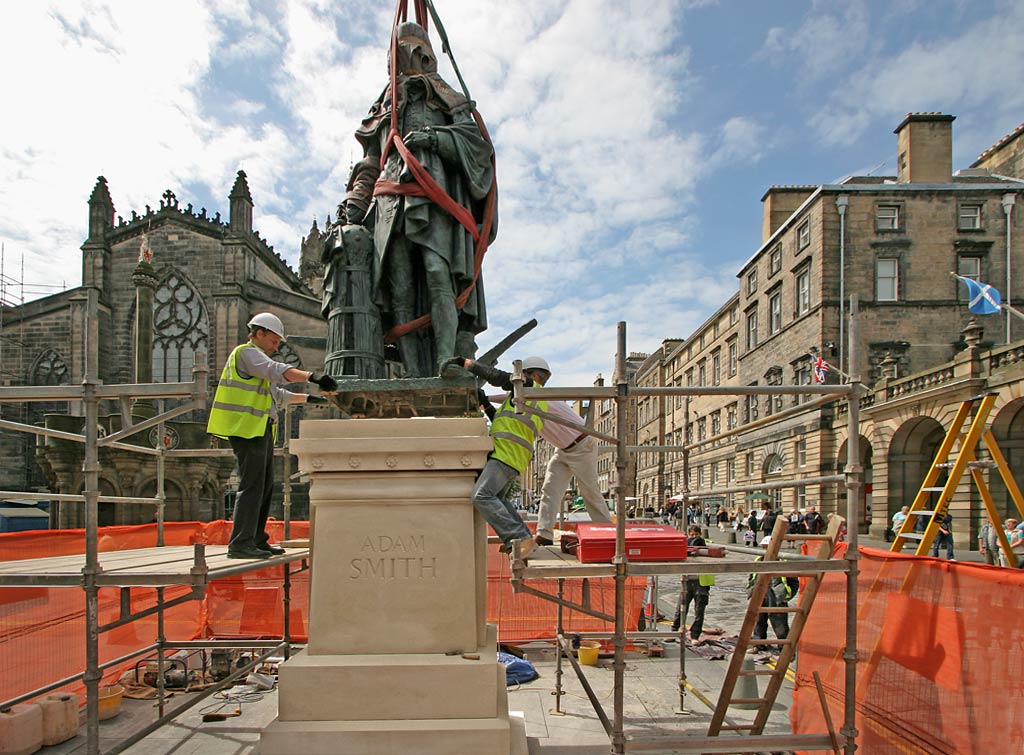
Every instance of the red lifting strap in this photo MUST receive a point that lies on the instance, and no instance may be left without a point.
(424, 185)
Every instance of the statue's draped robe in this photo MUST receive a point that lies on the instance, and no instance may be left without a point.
(461, 165)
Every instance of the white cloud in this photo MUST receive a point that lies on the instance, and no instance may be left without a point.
(946, 74)
(99, 95)
(243, 109)
(824, 43)
(578, 333)
(742, 140)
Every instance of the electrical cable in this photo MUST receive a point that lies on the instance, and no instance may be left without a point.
(238, 699)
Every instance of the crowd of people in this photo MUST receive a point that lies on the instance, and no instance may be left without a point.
(988, 542)
(751, 526)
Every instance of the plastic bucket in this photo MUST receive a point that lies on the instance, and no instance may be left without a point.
(110, 701)
(588, 652)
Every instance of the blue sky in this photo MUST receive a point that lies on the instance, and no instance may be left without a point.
(634, 139)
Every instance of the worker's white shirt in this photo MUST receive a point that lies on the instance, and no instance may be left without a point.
(254, 363)
(557, 434)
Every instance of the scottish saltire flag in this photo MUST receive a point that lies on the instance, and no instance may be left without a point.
(985, 300)
(820, 369)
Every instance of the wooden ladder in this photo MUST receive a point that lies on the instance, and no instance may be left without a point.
(799, 612)
(965, 459)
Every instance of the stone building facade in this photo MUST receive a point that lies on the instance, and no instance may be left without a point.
(891, 242)
(207, 276)
(1005, 157)
(709, 357)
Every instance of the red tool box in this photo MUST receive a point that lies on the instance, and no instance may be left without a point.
(644, 542)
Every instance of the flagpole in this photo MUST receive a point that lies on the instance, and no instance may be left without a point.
(813, 353)
(1012, 310)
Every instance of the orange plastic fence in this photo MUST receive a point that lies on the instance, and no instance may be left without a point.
(940, 665)
(42, 629)
(522, 617)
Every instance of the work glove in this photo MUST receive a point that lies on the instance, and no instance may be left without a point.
(452, 367)
(326, 382)
(317, 400)
(481, 396)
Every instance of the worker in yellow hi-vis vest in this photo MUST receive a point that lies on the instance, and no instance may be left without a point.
(697, 589)
(244, 412)
(513, 436)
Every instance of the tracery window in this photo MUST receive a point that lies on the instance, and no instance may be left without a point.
(180, 329)
(50, 369)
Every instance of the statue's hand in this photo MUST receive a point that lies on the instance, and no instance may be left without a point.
(354, 215)
(425, 139)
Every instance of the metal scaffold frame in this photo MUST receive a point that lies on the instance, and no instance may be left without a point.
(177, 566)
(621, 568)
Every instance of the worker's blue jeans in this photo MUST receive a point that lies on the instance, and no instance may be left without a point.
(496, 511)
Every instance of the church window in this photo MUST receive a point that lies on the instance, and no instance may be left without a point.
(180, 329)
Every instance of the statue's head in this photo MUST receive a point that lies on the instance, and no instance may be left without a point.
(415, 55)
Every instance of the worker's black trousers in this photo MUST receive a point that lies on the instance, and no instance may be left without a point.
(255, 485)
(699, 595)
(779, 621)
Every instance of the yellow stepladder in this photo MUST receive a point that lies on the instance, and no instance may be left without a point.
(965, 459)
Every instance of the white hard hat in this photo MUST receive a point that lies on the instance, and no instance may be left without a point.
(267, 321)
(535, 363)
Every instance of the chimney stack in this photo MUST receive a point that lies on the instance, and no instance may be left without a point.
(925, 148)
(778, 203)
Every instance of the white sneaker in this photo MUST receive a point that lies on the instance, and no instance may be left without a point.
(522, 549)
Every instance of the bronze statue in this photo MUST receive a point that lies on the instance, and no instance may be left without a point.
(423, 226)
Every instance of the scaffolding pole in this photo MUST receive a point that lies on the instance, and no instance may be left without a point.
(621, 379)
(854, 484)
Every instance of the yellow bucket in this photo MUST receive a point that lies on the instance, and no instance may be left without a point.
(588, 652)
(110, 701)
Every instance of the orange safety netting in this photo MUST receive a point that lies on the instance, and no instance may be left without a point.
(940, 665)
(522, 617)
(43, 629)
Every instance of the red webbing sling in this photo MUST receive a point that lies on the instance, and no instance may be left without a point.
(423, 184)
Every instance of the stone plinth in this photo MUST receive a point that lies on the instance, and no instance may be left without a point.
(400, 658)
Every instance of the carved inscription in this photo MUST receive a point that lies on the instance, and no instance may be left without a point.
(388, 558)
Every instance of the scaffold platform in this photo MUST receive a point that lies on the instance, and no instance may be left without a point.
(194, 565)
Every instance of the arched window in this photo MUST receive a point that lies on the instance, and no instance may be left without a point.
(180, 329)
(50, 369)
(286, 354)
(774, 465)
